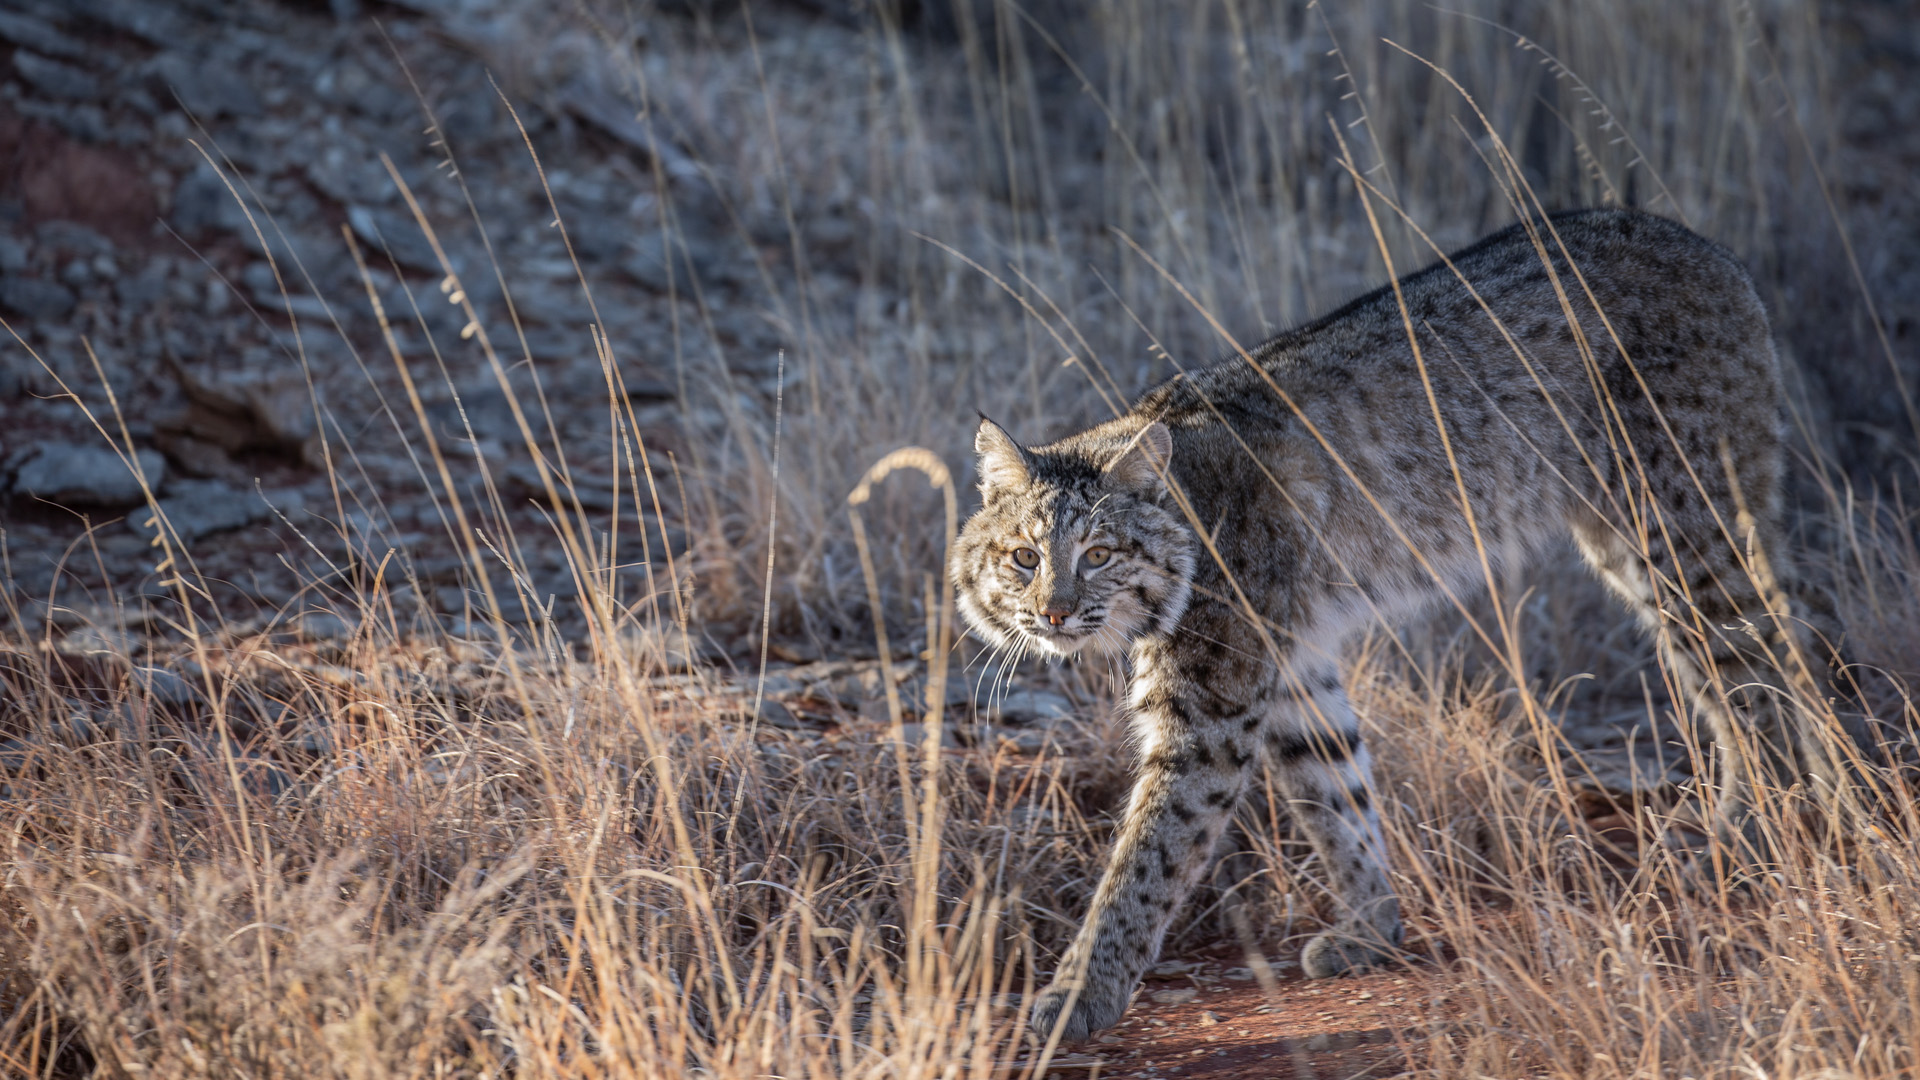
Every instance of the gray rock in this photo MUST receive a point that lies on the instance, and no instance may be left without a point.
(30, 33)
(398, 236)
(207, 90)
(41, 301)
(992, 700)
(55, 79)
(13, 255)
(483, 408)
(660, 259)
(197, 457)
(775, 714)
(349, 172)
(138, 292)
(324, 626)
(160, 24)
(915, 735)
(163, 687)
(95, 640)
(202, 203)
(197, 508)
(777, 684)
(264, 403)
(618, 118)
(121, 547)
(72, 238)
(592, 492)
(261, 775)
(1020, 740)
(1027, 706)
(73, 475)
(470, 116)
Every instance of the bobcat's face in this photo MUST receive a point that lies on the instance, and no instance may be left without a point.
(1072, 548)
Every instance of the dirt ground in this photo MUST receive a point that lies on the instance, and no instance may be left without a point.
(1217, 1021)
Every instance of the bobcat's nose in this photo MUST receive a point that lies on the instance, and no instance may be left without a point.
(1056, 611)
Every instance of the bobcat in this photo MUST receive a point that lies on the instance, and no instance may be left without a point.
(1604, 372)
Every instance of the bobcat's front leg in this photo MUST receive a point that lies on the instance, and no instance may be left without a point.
(1194, 765)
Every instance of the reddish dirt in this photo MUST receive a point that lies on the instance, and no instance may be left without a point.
(1231, 1029)
(54, 177)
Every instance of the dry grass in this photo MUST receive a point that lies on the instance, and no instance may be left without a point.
(407, 854)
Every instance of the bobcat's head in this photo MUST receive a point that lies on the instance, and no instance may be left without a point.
(1072, 546)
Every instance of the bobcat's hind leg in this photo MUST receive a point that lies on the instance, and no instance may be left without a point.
(1323, 767)
(1749, 669)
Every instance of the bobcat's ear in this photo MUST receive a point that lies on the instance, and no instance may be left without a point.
(1002, 462)
(1142, 464)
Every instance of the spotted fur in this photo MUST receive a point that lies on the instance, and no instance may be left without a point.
(1604, 373)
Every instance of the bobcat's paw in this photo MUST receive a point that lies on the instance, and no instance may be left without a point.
(1334, 953)
(1094, 1010)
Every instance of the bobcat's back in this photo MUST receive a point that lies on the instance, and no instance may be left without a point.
(1563, 389)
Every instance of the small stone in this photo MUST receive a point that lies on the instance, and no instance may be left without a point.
(349, 172)
(71, 475)
(160, 24)
(1209, 1018)
(266, 403)
(208, 90)
(97, 640)
(1014, 707)
(261, 776)
(398, 236)
(1020, 740)
(13, 255)
(72, 238)
(29, 32)
(197, 457)
(163, 686)
(203, 203)
(324, 626)
(119, 546)
(41, 301)
(55, 79)
(1322, 1041)
(197, 508)
(915, 735)
(776, 714)
(776, 684)
(593, 493)
(1176, 995)
(661, 261)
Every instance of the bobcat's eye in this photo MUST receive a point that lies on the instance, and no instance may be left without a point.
(1026, 558)
(1097, 556)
